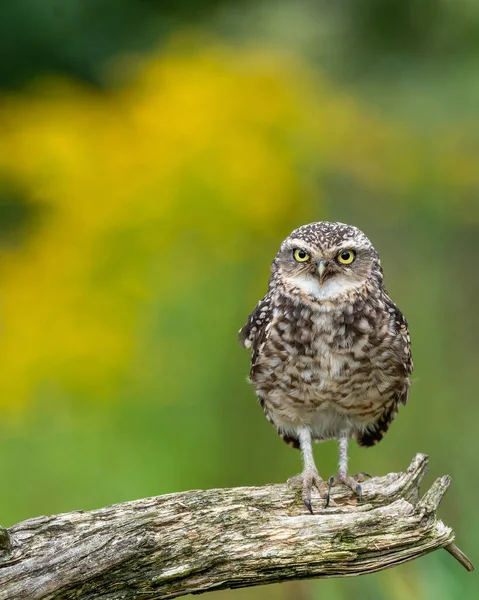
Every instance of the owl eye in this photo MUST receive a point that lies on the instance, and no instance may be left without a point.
(346, 257)
(300, 255)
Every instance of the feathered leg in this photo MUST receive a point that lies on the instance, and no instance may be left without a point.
(310, 476)
(343, 477)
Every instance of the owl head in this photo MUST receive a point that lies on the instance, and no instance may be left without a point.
(325, 260)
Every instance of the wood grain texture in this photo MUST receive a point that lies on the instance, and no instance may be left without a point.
(202, 540)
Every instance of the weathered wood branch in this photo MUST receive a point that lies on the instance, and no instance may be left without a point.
(198, 541)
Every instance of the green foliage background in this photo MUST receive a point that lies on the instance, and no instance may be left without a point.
(152, 157)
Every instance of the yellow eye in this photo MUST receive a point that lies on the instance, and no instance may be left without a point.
(346, 257)
(300, 255)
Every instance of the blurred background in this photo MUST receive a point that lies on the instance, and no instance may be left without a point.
(153, 155)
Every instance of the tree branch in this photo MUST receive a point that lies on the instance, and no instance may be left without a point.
(197, 541)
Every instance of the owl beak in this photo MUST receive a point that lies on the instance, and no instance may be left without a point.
(322, 268)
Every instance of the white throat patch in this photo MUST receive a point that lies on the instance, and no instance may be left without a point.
(330, 288)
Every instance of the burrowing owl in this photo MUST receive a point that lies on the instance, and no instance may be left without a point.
(330, 350)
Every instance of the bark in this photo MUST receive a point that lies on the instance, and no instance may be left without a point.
(202, 540)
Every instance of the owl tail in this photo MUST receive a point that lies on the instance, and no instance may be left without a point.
(375, 432)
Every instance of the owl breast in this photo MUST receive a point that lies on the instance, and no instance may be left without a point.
(329, 370)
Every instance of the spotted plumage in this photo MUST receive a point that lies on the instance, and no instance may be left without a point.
(330, 351)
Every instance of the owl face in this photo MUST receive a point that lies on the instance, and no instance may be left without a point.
(325, 260)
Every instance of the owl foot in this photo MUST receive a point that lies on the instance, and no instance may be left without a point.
(360, 477)
(354, 483)
(307, 479)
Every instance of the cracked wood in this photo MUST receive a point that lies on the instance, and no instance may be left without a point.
(202, 540)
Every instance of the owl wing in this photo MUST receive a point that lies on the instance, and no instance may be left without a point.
(254, 334)
(404, 344)
(399, 329)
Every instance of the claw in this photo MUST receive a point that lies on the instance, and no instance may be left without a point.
(307, 503)
(350, 482)
(328, 496)
(361, 476)
(307, 480)
(359, 492)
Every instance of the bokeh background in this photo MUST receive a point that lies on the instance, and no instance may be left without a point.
(152, 157)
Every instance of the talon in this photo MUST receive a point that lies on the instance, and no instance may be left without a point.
(307, 503)
(308, 479)
(359, 492)
(328, 495)
(361, 476)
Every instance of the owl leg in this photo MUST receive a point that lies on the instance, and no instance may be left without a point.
(310, 476)
(343, 476)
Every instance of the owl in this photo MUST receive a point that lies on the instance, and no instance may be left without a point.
(330, 351)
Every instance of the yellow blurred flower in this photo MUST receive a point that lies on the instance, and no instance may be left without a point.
(209, 144)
